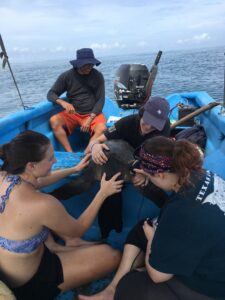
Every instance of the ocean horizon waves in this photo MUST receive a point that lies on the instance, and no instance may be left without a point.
(178, 71)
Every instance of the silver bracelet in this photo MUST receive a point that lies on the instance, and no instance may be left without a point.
(93, 145)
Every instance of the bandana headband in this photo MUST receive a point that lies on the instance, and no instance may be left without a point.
(155, 163)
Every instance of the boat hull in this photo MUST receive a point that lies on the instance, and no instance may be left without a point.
(135, 206)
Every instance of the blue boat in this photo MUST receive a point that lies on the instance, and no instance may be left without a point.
(136, 206)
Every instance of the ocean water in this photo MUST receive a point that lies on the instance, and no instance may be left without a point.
(178, 71)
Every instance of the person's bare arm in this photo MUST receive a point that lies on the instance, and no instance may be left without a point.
(66, 105)
(101, 139)
(97, 148)
(60, 174)
(54, 216)
(155, 275)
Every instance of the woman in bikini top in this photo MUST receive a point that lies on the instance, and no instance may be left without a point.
(27, 215)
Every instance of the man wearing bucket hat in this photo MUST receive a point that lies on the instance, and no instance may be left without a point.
(152, 120)
(85, 92)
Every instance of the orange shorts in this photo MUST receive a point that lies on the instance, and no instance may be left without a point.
(73, 120)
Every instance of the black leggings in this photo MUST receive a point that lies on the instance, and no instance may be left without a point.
(137, 237)
(139, 286)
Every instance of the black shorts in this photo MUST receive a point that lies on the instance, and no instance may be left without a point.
(44, 284)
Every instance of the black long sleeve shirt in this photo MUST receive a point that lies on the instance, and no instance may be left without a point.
(85, 92)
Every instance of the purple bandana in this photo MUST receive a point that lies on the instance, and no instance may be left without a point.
(155, 163)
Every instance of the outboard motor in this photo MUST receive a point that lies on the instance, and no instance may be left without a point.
(130, 85)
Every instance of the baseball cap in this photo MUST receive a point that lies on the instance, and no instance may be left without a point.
(156, 111)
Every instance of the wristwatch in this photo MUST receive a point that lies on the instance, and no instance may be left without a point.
(92, 117)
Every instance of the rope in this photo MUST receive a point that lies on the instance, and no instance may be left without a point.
(4, 56)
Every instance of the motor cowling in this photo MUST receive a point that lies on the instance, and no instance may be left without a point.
(130, 85)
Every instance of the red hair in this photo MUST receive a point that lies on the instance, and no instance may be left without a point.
(185, 156)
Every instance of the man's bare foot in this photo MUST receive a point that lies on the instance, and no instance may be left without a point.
(106, 294)
(78, 242)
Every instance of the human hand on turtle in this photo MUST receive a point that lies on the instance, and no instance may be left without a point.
(83, 163)
(111, 186)
(97, 153)
(140, 180)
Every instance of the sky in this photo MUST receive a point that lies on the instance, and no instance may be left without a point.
(55, 29)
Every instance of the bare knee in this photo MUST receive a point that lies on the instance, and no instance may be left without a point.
(56, 122)
(114, 255)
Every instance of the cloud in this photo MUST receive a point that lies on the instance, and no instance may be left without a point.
(59, 49)
(107, 46)
(196, 38)
(21, 50)
(128, 26)
(183, 41)
(202, 37)
(142, 44)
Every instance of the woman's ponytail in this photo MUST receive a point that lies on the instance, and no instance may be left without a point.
(187, 157)
(3, 151)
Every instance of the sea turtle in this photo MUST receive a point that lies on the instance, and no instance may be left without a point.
(120, 159)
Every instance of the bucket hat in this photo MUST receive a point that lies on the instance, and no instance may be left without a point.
(156, 111)
(84, 56)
